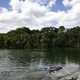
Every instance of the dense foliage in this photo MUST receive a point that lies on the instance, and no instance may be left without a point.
(49, 37)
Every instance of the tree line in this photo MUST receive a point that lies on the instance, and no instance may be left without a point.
(48, 37)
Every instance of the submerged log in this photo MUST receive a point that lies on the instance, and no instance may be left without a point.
(53, 68)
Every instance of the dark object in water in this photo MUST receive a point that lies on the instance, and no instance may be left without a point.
(73, 78)
(54, 68)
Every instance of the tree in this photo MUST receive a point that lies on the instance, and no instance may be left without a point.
(48, 37)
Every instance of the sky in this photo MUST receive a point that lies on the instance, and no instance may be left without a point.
(36, 14)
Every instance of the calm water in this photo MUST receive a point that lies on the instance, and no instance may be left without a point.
(24, 64)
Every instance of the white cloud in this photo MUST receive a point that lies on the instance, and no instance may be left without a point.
(73, 15)
(70, 2)
(51, 3)
(31, 13)
(2, 10)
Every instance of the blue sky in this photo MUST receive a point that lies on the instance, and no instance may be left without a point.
(4, 3)
(56, 7)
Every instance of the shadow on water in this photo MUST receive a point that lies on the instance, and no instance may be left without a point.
(48, 56)
(63, 56)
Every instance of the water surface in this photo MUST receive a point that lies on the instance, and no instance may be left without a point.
(30, 64)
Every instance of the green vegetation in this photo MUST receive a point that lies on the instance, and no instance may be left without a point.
(49, 37)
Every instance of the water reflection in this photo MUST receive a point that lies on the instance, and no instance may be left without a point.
(49, 56)
(20, 64)
(26, 57)
(63, 56)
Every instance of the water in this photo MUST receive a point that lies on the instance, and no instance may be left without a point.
(32, 64)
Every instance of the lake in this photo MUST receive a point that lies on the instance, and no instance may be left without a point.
(32, 64)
